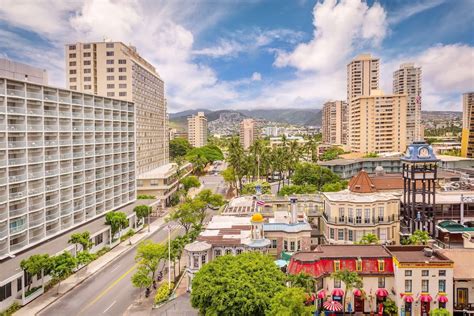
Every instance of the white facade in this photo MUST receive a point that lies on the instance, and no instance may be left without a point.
(197, 130)
(65, 159)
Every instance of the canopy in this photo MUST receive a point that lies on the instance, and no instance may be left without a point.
(337, 292)
(357, 292)
(381, 293)
(333, 306)
(408, 298)
(443, 299)
(286, 255)
(322, 294)
(426, 298)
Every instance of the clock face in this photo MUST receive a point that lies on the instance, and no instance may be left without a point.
(423, 153)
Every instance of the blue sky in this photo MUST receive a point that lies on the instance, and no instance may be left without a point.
(257, 54)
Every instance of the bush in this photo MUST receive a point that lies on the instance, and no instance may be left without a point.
(10, 310)
(297, 189)
(145, 197)
(249, 188)
(127, 235)
(102, 251)
(32, 290)
(163, 292)
(174, 199)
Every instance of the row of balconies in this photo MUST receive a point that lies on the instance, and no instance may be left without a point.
(361, 220)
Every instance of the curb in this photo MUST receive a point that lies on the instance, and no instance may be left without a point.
(161, 227)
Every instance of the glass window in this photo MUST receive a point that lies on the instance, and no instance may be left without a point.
(72, 72)
(122, 61)
(331, 233)
(358, 216)
(110, 78)
(110, 69)
(408, 286)
(292, 246)
(274, 243)
(72, 47)
(110, 86)
(442, 285)
(122, 69)
(122, 94)
(340, 234)
(298, 245)
(19, 283)
(238, 251)
(424, 272)
(72, 79)
(350, 215)
(217, 253)
(87, 54)
(87, 46)
(408, 273)
(203, 259)
(87, 62)
(228, 251)
(109, 45)
(337, 265)
(367, 215)
(5, 291)
(110, 61)
(98, 239)
(381, 282)
(285, 245)
(425, 285)
(72, 55)
(87, 78)
(196, 262)
(110, 53)
(381, 265)
(122, 85)
(87, 71)
(381, 213)
(358, 265)
(337, 284)
(341, 214)
(110, 94)
(351, 235)
(442, 273)
(87, 86)
(72, 63)
(122, 77)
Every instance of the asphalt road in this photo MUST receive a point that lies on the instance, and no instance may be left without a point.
(110, 292)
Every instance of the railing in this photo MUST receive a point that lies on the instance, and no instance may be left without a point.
(3, 232)
(36, 206)
(52, 202)
(16, 144)
(52, 231)
(36, 174)
(14, 92)
(50, 142)
(34, 95)
(50, 113)
(65, 142)
(35, 128)
(35, 190)
(35, 159)
(18, 245)
(35, 111)
(35, 222)
(51, 157)
(51, 217)
(16, 109)
(17, 229)
(51, 172)
(18, 212)
(16, 161)
(52, 187)
(50, 97)
(50, 128)
(15, 178)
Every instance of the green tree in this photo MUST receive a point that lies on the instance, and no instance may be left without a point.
(84, 258)
(117, 221)
(250, 188)
(185, 215)
(190, 182)
(304, 281)
(371, 155)
(310, 173)
(141, 278)
(240, 285)
(179, 147)
(62, 266)
(419, 237)
(351, 281)
(149, 255)
(289, 302)
(83, 239)
(236, 160)
(210, 153)
(210, 198)
(334, 187)
(439, 312)
(142, 211)
(229, 176)
(199, 162)
(369, 239)
(390, 307)
(331, 154)
(35, 264)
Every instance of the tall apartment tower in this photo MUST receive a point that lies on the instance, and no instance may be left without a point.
(249, 132)
(65, 158)
(407, 80)
(335, 122)
(467, 143)
(362, 76)
(116, 70)
(377, 123)
(197, 130)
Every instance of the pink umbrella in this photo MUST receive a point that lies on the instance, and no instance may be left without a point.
(333, 306)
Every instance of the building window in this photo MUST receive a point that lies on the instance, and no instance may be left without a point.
(72, 47)
(331, 233)
(72, 87)
(110, 53)
(72, 63)
(381, 214)
(298, 248)
(87, 86)
(122, 77)
(72, 55)
(350, 235)
(110, 94)
(217, 253)
(358, 265)
(110, 69)
(5, 291)
(381, 265)
(72, 72)
(122, 61)
(98, 239)
(122, 94)
(110, 78)
(196, 262)
(442, 273)
(203, 259)
(425, 273)
(19, 284)
(367, 216)
(408, 273)
(72, 79)
(238, 251)
(408, 287)
(381, 282)
(109, 45)
(425, 286)
(292, 246)
(110, 61)
(228, 251)
(122, 85)
(341, 214)
(285, 245)
(340, 234)
(122, 69)
(110, 86)
(87, 70)
(274, 243)
(87, 54)
(350, 215)
(87, 62)
(87, 78)
(337, 265)
(337, 284)
(442, 285)
(358, 216)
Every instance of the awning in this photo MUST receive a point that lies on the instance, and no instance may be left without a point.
(381, 293)
(281, 263)
(443, 299)
(426, 298)
(322, 294)
(408, 298)
(286, 255)
(357, 292)
(337, 292)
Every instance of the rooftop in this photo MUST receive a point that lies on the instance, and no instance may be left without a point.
(288, 228)
(462, 262)
(416, 254)
(361, 183)
(348, 196)
(343, 251)
(162, 171)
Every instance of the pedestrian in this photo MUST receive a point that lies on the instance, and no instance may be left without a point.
(147, 292)
(154, 284)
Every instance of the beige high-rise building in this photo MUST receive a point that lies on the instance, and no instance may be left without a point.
(407, 80)
(362, 76)
(114, 69)
(377, 123)
(335, 122)
(197, 130)
(467, 143)
(249, 132)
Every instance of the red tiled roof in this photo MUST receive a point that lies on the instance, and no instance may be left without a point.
(361, 183)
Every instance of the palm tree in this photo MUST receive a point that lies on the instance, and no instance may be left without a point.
(294, 153)
(311, 148)
(235, 158)
(369, 239)
(350, 279)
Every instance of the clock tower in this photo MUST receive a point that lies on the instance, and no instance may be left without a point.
(419, 165)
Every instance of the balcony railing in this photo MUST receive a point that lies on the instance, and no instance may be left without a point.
(19, 245)
(16, 178)
(16, 144)
(16, 93)
(17, 229)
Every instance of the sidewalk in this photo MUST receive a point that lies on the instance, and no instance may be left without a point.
(95, 266)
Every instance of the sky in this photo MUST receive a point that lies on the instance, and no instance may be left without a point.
(248, 54)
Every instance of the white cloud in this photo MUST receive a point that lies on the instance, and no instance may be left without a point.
(412, 8)
(339, 28)
(256, 76)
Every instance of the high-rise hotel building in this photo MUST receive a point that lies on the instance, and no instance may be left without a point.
(334, 122)
(249, 132)
(197, 130)
(116, 70)
(377, 123)
(407, 80)
(467, 144)
(65, 158)
(363, 74)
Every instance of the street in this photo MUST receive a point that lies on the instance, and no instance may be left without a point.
(110, 292)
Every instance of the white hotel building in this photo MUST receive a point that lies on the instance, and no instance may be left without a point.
(65, 158)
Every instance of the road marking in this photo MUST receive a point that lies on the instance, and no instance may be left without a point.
(109, 288)
(108, 307)
(115, 268)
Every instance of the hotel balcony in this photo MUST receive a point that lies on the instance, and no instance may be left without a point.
(36, 204)
(53, 228)
(50, 125)
(90, 175)
(17, 209)
(15, 90)
(36, 220)
(34, 92)
(78, 204)
(50, 94)
(52, 214)
(17, 174)
(78, 217)
(66, 141)
(90, 189)
(35, 172)
(17, 191)
(16, 157)
(77, 99)
(18, 226)
(34, 108)
(36, 234)
(19, 241)
(52, 184)
(90, 200)
(90, 212)
(66, 208)
(50, 111)
(35, 187)
(16, 106)
(3, 231)
(66, 181)
(52, 199)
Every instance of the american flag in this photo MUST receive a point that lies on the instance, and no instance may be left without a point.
(260, 203)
